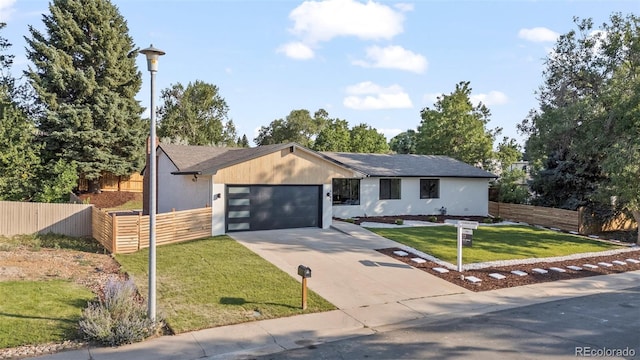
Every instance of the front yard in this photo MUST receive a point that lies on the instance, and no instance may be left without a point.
(217, 281)
(492, 243)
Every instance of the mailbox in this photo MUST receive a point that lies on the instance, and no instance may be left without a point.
(304, 271)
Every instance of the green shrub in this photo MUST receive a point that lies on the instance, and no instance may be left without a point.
(399, 221)
(432, 219)
(120, 318)
(487, 220)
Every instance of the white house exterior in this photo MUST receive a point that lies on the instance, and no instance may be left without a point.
(288, 186)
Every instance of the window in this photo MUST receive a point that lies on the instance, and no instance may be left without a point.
(429, 188)
(389, 189)
(346, 191)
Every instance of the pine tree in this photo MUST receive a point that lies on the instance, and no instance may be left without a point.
(86, 79)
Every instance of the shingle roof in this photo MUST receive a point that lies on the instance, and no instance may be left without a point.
(381, 165)
(208, 159)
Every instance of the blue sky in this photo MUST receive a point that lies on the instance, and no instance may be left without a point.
(374, 62)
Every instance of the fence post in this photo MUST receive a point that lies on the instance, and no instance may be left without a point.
(114, 233)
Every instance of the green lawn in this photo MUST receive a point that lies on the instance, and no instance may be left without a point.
(492, 243)
(217, 281)
(37, 312)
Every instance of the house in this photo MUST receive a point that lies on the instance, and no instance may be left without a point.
(408, 184)
(288, 186)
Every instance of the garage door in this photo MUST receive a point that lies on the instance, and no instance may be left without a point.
(264, 207)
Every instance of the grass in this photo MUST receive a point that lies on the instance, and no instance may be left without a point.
(217, 281)
(37, 312)
(491, 243)
(129, 205)
(35, 242)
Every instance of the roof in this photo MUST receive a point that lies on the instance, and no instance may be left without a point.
(190, 159)
(409, 165)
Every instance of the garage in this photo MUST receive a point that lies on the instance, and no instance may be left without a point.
(266, 207)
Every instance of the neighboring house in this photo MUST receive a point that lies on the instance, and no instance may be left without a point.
(288, 185)
(407, 184)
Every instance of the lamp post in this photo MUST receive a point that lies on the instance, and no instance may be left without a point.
(152, 55)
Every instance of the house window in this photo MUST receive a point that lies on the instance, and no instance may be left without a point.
(346, 191)
(429, 188)
(389, 189)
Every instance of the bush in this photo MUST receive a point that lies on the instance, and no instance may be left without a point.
(399, 221)
(433, 219)
(120, 318)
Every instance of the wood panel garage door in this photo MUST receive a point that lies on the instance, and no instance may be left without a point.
(265, 207)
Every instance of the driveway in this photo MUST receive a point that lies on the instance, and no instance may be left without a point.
(346, 269)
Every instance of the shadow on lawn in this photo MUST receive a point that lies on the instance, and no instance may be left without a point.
(241, 301)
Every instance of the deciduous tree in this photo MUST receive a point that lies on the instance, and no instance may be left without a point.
(195, 115)
(404, 143)
(457, 128)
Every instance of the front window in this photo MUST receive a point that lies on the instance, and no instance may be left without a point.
(346, 191)
(389, 189)
(429, 188)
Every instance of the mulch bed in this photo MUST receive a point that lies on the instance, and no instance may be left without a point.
(110, 199)
(511, 280)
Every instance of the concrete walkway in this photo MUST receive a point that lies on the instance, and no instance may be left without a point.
(371, 312)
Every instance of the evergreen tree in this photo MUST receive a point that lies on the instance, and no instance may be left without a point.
(85, 79)
(243, 142)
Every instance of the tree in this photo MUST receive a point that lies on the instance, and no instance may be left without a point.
(511, 189)
(334, 136)
(243, 142)
(297, 127)
(587, 121)
(456, 128)
(85, 79)
(365, 139)
(509, 151)
(196, 115)
(404, 143)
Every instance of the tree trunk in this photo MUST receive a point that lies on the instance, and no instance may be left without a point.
(94, 186)
(636, 216)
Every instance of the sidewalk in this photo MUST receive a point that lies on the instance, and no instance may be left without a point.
(244, 341)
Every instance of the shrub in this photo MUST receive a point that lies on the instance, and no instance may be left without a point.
(432, 219)
(119, 318)
(399, 221)
(487, 220)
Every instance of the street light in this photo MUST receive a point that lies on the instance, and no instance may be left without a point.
(152, 55)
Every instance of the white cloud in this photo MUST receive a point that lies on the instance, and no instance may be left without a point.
(538, 34)
(492, 98)
(393, 57)
(320, 21)
(369, 96)
(317, 21)
(296, 50)
(404, 7)
(6, 9)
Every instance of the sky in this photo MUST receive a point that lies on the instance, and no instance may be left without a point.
(373, 62)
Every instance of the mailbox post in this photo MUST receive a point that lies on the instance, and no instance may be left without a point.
(305, 273)
(465, 229)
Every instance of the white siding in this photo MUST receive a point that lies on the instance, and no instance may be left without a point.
(180, 192)
(460, 196)
(327, 208)
(218, 213)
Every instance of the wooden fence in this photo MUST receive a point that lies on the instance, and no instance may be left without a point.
(17, 218)
(110, 182)
(567, 220)
(129, 233)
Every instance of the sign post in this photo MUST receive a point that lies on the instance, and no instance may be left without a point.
(465, 235)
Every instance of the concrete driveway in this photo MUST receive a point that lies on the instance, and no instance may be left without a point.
(346, 269)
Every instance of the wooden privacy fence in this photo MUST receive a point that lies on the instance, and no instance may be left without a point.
(130, 233)
(567, 220)
(110, 182)
(17, 218)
